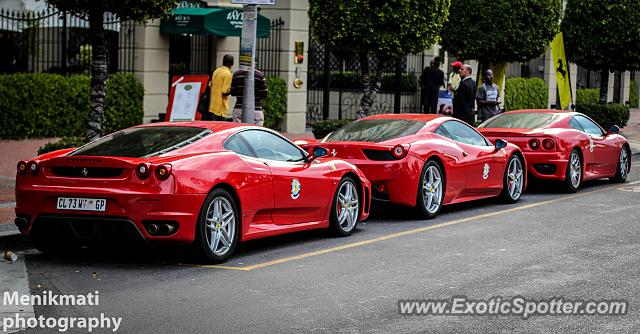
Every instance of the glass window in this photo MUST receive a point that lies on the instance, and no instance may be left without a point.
(239, 145)
(574, 124)
(462, 133)
(376, 130)
(520, 120)
(143, 142)
(272, 147)
(589, 126)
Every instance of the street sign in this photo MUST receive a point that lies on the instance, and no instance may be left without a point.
(253, 2)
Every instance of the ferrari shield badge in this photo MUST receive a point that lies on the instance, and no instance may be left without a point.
(485, 172)
(295, 189)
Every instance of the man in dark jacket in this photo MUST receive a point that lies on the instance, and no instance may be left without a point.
(431, 80)
(465, 97)
(237, 89)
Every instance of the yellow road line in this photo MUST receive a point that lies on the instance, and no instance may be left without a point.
(414, 231)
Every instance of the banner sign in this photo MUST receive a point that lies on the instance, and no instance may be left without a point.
(185, 96)
(562, 71)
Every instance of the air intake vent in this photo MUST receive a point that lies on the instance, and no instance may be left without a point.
(379, 155)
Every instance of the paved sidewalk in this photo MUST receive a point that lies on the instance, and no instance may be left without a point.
(632, 131)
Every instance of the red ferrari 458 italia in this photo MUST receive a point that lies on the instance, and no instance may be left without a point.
(564, 146)
(427, 161)
(212, 184)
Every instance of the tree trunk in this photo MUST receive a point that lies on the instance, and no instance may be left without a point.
(370, 89)
(98, 73)
(604, 86)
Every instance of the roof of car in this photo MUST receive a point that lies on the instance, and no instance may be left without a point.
(212, 125)
(411, 117)
(541, 111)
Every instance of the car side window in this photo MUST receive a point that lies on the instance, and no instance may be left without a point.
(239, 145)
(589, 126)
(462, 133)
(574, 124)
(271, 147)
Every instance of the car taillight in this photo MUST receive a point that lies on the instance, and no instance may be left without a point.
(398, 151)
(143, 170)
(534, 144)
(22, 168)
(33, 168)
(548, 144)
(163, 172)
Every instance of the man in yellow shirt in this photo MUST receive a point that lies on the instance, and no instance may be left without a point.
(220, 91)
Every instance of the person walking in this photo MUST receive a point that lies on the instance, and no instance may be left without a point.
(431, 80)
(454, 77)
(220, 88)
(260, 90)
(464, 99)
(487, 97)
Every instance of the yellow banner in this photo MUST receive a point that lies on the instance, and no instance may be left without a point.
(562, 71)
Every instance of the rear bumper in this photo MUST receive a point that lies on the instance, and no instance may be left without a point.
(134, 210)
(393, 181)
(547, 165)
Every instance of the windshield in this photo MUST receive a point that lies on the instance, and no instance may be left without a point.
(143, 142)
(520, 120)
(376, 130)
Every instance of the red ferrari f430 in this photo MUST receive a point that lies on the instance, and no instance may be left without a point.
(210, 184)
(427, 161)
(563, 146)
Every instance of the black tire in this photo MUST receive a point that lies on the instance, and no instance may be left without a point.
(506, 195)
(337, 223)
(569, 185)
(422, 197)
(204, 230)
(622, 172)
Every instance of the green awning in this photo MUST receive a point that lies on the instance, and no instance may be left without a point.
(209, 21)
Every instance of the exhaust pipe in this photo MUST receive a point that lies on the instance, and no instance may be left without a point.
(21, 223)
(167, 229)
(153, 229)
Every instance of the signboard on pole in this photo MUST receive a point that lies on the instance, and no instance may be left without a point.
(253, 2)
(185, 96)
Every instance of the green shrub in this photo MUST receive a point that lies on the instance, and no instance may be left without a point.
(525, 93)
(66, 142)
(323, 128)
(275, 105)
(587, 96)
(37, 105)
(350, 80)
(633, 94)
(606, 115)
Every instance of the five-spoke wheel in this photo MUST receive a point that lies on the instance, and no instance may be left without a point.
(346, 207)
(218, 226)
(431, 190)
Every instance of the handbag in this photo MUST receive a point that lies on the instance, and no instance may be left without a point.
(205, 99)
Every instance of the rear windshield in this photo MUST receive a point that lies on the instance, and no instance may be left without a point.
(143, 142)
(376, 130)
(520, 120)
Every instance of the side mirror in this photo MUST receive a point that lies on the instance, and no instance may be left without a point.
(500, 144)
(613, 130)
(318, 152)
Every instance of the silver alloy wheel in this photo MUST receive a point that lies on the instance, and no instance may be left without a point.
(220, 225)
(347, 206)
(432, 189)
(624, 163)
(575, 169)
(515, 177)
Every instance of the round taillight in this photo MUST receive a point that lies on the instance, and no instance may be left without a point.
(22, 168)
(548, 144)
(163, 172)
(398, 151)
(534, 144)
(33, 168)
(143, 170)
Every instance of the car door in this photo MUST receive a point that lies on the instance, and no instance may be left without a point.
(604, 158)
(301, 190)
(483, 164)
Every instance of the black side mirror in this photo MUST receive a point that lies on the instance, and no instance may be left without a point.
(614, 130)
(500, 144)
(318, 152)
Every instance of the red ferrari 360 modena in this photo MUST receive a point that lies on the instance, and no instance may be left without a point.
(427, 161)
(212, 184)
(564, 146)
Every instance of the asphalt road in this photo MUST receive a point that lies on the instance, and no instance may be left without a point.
(578, 246)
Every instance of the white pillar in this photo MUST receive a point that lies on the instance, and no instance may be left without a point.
(573, 77)
(151, 67)
(550, 78)
(624, 86)
(612, 79)
(296, 28)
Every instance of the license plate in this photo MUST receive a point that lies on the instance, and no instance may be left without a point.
(81, 204)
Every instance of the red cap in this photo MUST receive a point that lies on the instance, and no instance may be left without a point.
(456, 64)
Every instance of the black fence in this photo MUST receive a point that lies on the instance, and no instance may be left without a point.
(335, 90)
(268, 50)
(57, 42)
